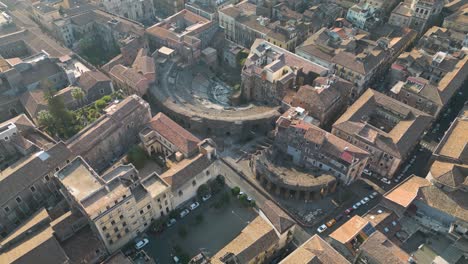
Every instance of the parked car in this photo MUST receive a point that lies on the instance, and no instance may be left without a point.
(375, 194)
(331, 223)
(366, 199)
(184, 213)
(339, 217)
(371, 196)
(367, 172)
(356, 205)
(194, 206)
(171, 222)
(321, 228)
(385, 180)
(249, 199)
(349, 210)
(206, 197)
(140, 244)
(363, 201)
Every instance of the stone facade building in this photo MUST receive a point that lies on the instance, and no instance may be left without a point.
(383, 126)
(185, 32)
(165, 137)
(325, 99)
(137, 78)
(416, 14)
(351, 54)
(429, 76)
(27, 185)
(242, 25)
(111, 135)
(119, 206)
(142, 11)
(95, 85)
(311, 147)
(270, 73)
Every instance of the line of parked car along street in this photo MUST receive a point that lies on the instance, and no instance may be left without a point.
(347, 212)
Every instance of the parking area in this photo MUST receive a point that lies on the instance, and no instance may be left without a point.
(206, 229)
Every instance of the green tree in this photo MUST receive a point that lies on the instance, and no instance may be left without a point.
(203, 190)
(235, 191)
(63, 118)
(100, 104)
(106, 98)
(137, 156)
(78, 94)
(46, 120)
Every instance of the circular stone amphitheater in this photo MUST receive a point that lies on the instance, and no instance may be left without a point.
(195, 98)
(283, 179)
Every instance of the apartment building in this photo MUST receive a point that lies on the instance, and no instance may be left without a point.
(312, 147)
(383, 126)
(434, 205)
(28, 185)
(141, 11)
(428, 77)
(242, 26)
(363, 16)
(417, 14)
(271, 72)
(351, 53)
(325, 100)
(185, 32)
(119, 205)
(458, 21)
(165, 8)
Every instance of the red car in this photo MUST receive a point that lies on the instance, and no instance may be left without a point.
(348, 211)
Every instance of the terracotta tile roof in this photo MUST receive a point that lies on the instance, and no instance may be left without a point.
(39, 246)
(399, 139)
(183, 171)
(89, 79)
(144, 63)
(34, 102)
(184, 141)
(349, 230)
(315, 250)
(22, 174)
(280, 220)
(454, 144)
(381, 250)
(453, 204)
(404, 193)
(254, 239)
(449, 174)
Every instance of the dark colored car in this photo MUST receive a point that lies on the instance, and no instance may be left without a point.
(348, 211)
(339, 217)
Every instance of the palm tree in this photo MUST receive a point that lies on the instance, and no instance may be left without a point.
(78, 94)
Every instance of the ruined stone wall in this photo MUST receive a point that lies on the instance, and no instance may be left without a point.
(218, 125)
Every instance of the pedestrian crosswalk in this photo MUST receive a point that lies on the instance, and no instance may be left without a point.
(428, 145)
